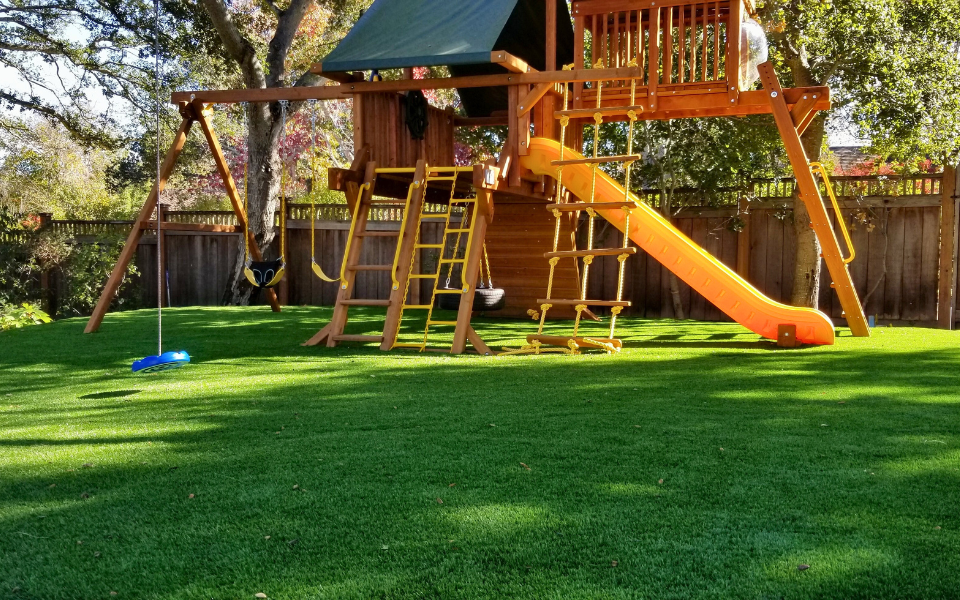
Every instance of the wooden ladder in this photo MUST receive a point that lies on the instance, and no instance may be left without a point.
(363, 201)
(469, 205)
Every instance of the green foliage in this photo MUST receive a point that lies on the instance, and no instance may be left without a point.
(16, 317)
(85, 272)
(894, 64)
(43, 170)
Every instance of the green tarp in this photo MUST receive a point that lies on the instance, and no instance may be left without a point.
(459, 34)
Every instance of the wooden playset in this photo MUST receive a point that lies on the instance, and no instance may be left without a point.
(545, 74)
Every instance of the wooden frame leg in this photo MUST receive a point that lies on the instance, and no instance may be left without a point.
(411, 223)
(136, 232)
(471, 272)
(200, 114)
(810, 194)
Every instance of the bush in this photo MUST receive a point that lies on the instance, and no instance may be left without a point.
(15, 317)
(86, 271)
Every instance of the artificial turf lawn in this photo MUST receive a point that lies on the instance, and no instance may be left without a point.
(700, 462)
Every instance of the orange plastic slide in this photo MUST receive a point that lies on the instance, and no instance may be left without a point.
(691, 263)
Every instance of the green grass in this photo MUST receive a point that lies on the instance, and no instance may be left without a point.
(844, 458)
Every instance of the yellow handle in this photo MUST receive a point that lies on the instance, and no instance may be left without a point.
(819, 168)
(406, 215)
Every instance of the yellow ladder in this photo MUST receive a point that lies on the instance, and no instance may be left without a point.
(468, 206)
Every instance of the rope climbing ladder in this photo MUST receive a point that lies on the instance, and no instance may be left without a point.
(572, 344)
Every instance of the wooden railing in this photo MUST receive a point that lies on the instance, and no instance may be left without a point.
(679, 46)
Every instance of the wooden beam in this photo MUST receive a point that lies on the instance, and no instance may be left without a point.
(336, 92)
(201, 115)
(509, 62)
(136, 232)
(946, 296)
(810, 195)
(407, 250)
(471, 272)
(151, 225)
(531, 98)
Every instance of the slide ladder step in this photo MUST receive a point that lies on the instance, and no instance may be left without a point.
(623, 303)
(358, 338)
(377, 234)
(572, 206)
(597, 161)
(364, 302)
(594, 252)
(560, 340)
(606, 111)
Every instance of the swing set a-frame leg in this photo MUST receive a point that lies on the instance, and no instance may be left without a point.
(191, 114)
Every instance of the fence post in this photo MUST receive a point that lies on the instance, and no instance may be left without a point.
(743, 239)
(946, 295)
(47, 303)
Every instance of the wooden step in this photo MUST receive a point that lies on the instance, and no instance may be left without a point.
(572, 206)
(377, 234)
(607, 111)
(560, 340)
(363, 302)
(587, 302)
(594, 252)
(358, 338)
(597, 161)
(370, 268)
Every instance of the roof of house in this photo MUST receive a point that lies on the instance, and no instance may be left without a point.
(459, 34)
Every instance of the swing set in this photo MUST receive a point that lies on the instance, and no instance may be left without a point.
(546, 74)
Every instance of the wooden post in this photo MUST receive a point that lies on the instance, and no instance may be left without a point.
(136, 232)
(471, 271)
(46, 291)
(410, 225)
(743, 239)
(232, 193)
(284, 295)
(810, 195)
(946, 298)
(162, 250)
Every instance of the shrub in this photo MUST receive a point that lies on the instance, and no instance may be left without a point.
(15, 317)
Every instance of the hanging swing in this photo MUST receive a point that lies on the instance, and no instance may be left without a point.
(163, 361)
(485, 297)
(268, 273)
(313, 208)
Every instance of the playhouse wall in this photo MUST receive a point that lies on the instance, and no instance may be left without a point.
(521, 232)
(383, 127)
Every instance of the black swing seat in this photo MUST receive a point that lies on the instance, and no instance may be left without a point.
(484, 299)
(264, 274)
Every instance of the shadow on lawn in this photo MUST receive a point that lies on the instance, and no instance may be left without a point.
(762, 469)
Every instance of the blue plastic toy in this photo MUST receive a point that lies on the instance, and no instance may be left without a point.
(164, 362)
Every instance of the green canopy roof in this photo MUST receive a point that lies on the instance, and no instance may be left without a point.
(460, 34)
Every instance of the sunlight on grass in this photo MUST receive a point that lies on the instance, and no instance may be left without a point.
(699, 462)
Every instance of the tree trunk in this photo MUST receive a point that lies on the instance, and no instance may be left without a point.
(806, 272)
(263, 183)
(666, 209)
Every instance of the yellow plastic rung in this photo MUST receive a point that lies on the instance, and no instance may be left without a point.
(442, 291)
(428, 246)
(457, 231)
(453, 260)
(442, 178)
(418, 306)
(424, 276)
(429, 323)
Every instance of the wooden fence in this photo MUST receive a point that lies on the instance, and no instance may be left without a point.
(895, 226)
